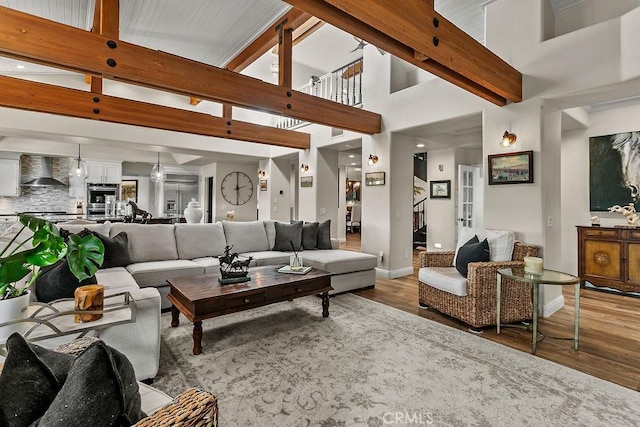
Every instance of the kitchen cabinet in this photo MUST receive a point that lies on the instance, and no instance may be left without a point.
(609, 257)
(104, 172)
(10, 177)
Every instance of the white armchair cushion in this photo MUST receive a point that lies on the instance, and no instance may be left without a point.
(500, 242)
(446, 279)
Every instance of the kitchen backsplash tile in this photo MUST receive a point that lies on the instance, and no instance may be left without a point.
(40, 198)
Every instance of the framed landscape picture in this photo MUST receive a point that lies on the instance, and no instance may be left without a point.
(374, 178)
(306, 181)
(440, 189)
(129, 190)
(511, 168)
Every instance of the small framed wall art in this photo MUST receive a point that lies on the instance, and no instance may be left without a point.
(440, 189)
(129, 190)
(511, 168)
(306, 181)
(374, 178)
(263, 185)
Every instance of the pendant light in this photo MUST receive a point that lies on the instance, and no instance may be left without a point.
(158, 173)
(78, 167)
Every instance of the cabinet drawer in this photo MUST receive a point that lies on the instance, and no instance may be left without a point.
(633, 234)
(293, 290)
(243, 300)
(600, 233)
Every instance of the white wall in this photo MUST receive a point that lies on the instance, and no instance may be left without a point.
(591, 12)
(441, 213)
(246, 212)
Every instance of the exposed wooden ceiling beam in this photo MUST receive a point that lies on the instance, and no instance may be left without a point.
(106, 21)
(44, 98)
(409, 31)
(285, 56)
(50, 43)
(267, 40)
(303, 31)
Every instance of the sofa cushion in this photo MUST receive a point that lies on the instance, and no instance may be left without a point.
(116, 250)
(270, 229)
(149, 242)
(155, 273)
(446, 279)
(472, 251)
(211, 265)
(339, 261)
(500, 242)
(269, 257)
(324, 235)
(309, 235)
(57, 281)
(116, 279)
(200, 240)
(288, 236)
(75, 227)
(246, 236)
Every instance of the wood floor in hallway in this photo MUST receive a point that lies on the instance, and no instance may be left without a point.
(609, 326)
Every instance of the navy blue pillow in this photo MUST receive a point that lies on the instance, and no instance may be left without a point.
(472, 251)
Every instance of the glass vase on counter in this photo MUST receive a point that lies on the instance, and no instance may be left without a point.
(110, 206)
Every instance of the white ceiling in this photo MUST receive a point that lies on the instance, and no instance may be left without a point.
(214, 31)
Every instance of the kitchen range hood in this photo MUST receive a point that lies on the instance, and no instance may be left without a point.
(45, 178)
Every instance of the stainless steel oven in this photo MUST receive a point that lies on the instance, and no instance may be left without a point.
(97, 196)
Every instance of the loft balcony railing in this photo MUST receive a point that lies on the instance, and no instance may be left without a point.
(343, 85)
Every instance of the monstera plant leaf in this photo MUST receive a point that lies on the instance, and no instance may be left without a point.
(85, 255)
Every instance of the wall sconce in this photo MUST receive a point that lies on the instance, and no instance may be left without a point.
(373, 159)
(304, 168)
(262, 174)
(508, 139)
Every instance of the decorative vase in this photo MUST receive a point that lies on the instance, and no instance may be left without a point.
(14, 309)
(193, 212)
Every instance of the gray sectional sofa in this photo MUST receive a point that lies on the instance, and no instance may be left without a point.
(160, 252)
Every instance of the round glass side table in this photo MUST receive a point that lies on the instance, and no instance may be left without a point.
(548, 277)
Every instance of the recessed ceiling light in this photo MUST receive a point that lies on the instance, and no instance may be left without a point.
(420, 145)
(348, 145)
(20, 67)
(353, 164)
(352, 156)
(357, 169)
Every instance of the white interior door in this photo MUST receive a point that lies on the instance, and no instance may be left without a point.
(469, 197)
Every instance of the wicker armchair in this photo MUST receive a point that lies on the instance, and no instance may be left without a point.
(478, 308)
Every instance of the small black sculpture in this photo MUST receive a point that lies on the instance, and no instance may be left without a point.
(145, 216)
(232, 269)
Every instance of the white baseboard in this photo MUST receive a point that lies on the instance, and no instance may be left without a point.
(551, 307)
(393, 274)
(342, 239)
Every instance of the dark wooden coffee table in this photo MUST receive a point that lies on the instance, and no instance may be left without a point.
(202, 297)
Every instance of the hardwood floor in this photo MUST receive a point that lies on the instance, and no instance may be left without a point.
(609, 326)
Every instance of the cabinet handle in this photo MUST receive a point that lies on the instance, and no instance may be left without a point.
(246, 300)
(298, 290)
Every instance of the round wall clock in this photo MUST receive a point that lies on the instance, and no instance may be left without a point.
(237, 188)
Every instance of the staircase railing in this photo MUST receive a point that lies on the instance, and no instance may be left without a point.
(419, 214)
(343, 85)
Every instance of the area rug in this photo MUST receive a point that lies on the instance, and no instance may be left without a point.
(372, 365)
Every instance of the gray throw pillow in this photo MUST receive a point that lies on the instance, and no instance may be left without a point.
(116, 250)
(324, 235)
(100, 390)
(309, 235)
(288, 236)
(31, 379)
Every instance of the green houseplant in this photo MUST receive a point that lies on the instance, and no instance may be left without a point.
(84, 255)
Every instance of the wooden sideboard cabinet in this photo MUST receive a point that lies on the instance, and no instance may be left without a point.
(609, 257)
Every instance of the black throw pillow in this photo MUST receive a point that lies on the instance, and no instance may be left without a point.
(286, 234)
(472, 251)
(100, 390)
(116, 250)
(31, 379)
(57, 281)
(310, 235)
(324, 235)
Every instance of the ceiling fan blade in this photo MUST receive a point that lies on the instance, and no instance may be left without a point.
(357, 48)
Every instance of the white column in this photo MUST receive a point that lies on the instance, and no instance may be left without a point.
(158, 205)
